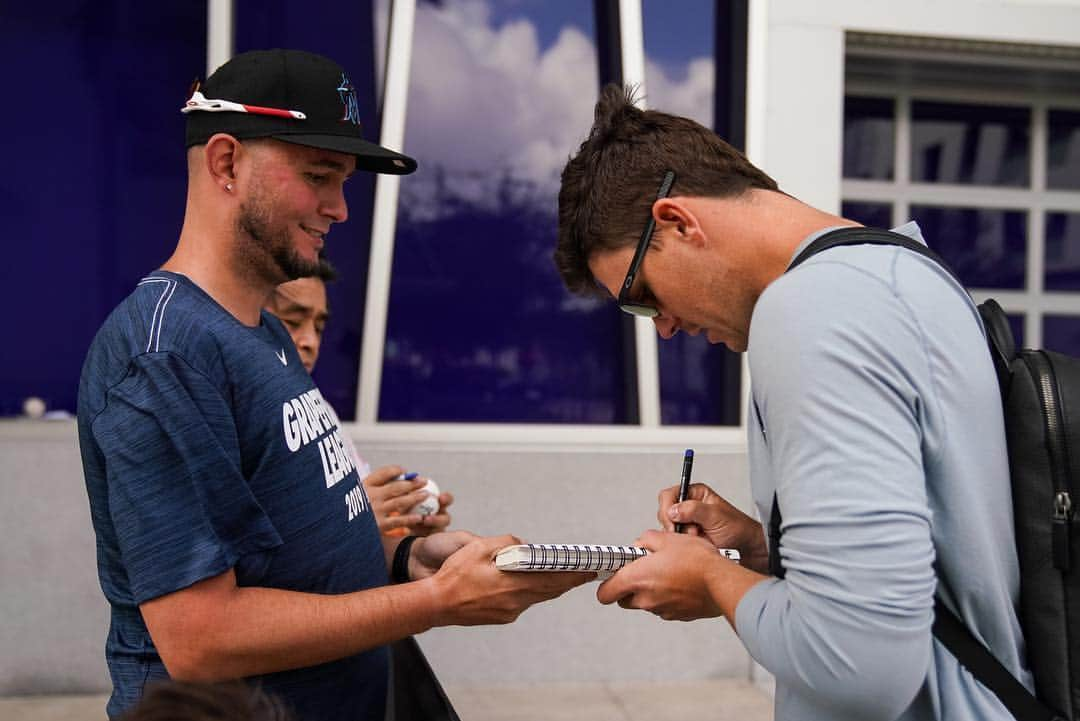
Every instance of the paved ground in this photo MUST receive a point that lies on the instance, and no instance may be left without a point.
(722, 700)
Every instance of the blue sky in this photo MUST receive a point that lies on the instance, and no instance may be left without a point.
(675, 30)
(508, 86)
(547, 16)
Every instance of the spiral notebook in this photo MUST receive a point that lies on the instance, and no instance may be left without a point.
(574, 557)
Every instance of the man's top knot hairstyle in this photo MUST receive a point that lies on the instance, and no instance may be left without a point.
(609, 187)
(615, 108)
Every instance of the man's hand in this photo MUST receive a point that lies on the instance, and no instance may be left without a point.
(428, 554)
(391, 499)
(671, 582)
(473, 591)
(707, 513)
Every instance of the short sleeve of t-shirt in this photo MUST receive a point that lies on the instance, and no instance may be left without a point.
(181, 506)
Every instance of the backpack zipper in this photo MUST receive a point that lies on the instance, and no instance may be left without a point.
(1043, 374)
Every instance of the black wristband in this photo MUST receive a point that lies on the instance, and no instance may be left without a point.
(399, 569)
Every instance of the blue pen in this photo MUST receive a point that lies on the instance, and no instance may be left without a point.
(684, 482)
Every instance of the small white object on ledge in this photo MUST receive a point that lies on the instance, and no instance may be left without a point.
(33, 407)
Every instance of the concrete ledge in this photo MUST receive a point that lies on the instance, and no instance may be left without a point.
(53, 641)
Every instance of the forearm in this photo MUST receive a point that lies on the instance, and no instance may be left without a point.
(215, 630)
(755, 554)
(727, 583)
(250, 631)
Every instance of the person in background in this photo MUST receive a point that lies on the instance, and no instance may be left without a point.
(302, 307)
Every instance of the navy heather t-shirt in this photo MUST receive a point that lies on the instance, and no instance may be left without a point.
(205, 447)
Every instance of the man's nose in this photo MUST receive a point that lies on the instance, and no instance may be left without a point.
(306, 337)
(335, 207)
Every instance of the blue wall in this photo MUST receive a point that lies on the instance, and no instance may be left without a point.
(93, 196)
(95, 89)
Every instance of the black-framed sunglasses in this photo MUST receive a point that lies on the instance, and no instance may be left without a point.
(627, 305)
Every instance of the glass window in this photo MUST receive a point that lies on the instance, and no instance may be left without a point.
(873, 215)
(699, 382)
(1016, 323)
(1061, 333)
(1063, 155)
(869, 138)
(986, 247)
(1062, 251)
(480, 327)
(970, 144)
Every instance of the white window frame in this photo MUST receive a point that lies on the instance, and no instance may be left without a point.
(1033, 302)
(220, 33)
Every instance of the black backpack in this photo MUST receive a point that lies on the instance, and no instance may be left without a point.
(1040, 393)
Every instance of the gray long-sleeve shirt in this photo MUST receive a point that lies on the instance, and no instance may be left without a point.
(875, 417)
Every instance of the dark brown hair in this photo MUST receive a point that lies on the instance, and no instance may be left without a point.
(180, 701)
(609, 187)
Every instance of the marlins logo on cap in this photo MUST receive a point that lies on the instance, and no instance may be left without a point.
(348, 99)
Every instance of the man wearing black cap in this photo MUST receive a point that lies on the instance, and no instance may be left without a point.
(234, 537)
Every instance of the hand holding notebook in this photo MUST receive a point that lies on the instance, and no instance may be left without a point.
(682, 577)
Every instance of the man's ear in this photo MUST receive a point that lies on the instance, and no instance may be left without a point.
(222, 151)
(674, 214)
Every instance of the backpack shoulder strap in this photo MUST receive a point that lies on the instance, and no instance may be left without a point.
(999, 333)
(868, 236)
(776, 566)
(982, 664)
(1000, 339)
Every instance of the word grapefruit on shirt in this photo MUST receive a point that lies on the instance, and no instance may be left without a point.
(308, 418)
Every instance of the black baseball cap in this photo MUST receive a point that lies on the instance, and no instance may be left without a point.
(293, 96)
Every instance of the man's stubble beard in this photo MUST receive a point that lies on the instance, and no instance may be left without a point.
(264, 249)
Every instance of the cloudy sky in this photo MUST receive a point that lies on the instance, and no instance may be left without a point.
(505, 88)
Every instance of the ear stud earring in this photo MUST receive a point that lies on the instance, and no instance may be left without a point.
(228, 187)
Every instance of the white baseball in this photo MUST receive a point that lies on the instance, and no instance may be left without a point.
(430, 504)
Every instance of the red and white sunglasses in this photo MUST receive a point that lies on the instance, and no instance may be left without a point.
(198, 101)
